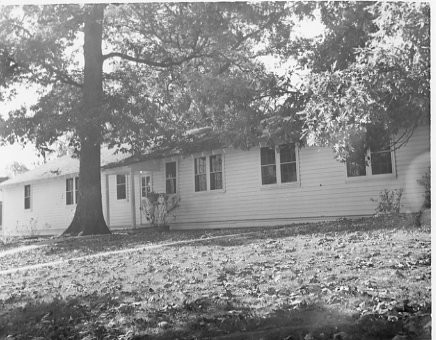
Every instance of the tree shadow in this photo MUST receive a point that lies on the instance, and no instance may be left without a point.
(333, 228)
(92, 317)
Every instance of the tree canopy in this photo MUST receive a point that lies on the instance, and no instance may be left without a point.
(132, 74)
(137, 77)
(369, 79)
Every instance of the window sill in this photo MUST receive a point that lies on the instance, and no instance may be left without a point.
(210, 192)
(280, 186)
(366, 178)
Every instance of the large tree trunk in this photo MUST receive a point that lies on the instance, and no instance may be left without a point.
(88, 218)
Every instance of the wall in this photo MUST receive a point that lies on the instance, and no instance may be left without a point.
(324, 191)
(48, 214)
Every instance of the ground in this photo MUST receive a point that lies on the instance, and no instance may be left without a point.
(363, 279)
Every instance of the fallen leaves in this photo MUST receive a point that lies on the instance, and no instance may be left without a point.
(211, 285)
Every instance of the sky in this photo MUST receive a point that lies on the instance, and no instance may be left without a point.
(28, 154)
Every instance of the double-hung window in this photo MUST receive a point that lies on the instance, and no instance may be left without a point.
(278, 165)
(171, 177)
(72, 190)
(208, 173)
(368, 162)
(200, 174)
(27, 196)
(69, 191)
(216, 172)
(121, 187)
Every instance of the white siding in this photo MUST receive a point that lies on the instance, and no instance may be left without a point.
(323, 190)
(49, 213)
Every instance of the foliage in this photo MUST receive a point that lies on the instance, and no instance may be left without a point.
(16, 168)
(389, 201)
(369, 74)
(425, 181)
(151, 72)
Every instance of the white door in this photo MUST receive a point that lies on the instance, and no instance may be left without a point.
(145, 188)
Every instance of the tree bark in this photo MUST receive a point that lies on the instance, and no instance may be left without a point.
(88, 218)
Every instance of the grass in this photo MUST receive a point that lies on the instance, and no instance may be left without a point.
(369, 278)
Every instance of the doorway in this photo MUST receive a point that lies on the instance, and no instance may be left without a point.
(146, 187)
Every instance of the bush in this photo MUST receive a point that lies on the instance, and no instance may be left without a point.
(389, 201)
(426, 182)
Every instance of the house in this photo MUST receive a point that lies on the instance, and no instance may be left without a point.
(222, 188)
(2, 179)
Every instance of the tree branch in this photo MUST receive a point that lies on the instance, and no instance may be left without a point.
(62, 77)
(165, 63)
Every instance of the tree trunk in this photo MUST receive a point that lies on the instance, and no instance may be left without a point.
(88, 218)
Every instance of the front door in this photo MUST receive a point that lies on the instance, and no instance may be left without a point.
(145, 190)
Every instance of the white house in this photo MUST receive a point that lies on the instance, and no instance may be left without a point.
(222, 188)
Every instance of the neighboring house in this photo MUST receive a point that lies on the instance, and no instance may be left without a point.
(223, 188)
(2, 179)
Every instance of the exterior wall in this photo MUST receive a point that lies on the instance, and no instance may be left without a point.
(48, 214)
(323, 190)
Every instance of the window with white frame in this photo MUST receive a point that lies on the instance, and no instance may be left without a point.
(71, 190)
(278, 165)
(76, 188)
(200, 174)
(146, 186)
(171, 177)
(208, 173)
(367, 162)
(216, 172)
(121, 187)
(27, 196)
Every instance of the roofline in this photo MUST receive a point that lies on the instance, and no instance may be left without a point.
(64, 175)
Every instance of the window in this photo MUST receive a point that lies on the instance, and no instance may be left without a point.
(381, 162)
(366, 163)
(27, 197)
(208, 173)
(76, 183)
(121, 187)
(171, 177)
(200, 174)
(69, 194)
(216, 172)
(356, 164)
(287, 164)
(145, 186)
(71, 190)
(268, 165)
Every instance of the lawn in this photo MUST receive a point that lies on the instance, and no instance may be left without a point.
(362, 279)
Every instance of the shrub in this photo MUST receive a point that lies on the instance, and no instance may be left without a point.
(425, 181)
(389, 201)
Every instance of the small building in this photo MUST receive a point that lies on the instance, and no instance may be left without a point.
(2, 179)
(222, 188)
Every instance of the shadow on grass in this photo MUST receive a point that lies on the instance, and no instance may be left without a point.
(368, 224)
(92, 317)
